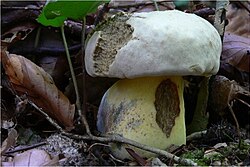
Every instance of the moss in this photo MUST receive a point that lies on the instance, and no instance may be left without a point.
(198, 157)
(196, 154)
(234, 150)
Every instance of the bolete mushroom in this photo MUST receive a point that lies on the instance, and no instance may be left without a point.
(150, 52)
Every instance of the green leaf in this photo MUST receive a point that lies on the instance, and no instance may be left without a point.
(56, 12)
(56, 22)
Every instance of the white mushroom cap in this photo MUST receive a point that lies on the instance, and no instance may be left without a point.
(158, 43)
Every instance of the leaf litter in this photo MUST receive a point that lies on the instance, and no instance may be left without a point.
(78, 153)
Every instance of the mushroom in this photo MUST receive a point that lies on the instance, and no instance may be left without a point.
(150, 52)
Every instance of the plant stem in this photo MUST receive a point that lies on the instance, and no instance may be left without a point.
(83, 116)
(78, 106)
(38, 33)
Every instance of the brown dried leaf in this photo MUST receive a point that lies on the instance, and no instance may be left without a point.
(9, 141)
(28, 78)
(223, 91)
(236, 51)
(138, 158)
(32, 157)
(18, 33)
(238, 19)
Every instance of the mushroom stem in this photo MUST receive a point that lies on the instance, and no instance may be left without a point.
(148, 110)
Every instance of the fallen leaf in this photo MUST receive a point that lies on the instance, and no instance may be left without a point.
(18, 33)
(32, 157)
(139, 159)
(236, 51)
(223, 91)
(9, 141)
(28, 78)
(238, 18)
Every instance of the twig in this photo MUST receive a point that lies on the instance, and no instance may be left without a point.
(196, 135)
(114, 158)
(58, 127)
(236, 122)
(22, 8)
(248, 105)
(26, 148)
(232, 113)
(97, 144)
(119, 139)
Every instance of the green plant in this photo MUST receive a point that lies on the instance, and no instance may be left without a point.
(55, 13)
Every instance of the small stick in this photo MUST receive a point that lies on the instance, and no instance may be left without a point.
(58, 127)
(236, 122)
(119, 139)
(196, 135)
(118, 160)
(248, 105)
(232, 113)
(26, 148)
(97, 144)
(22, 8)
